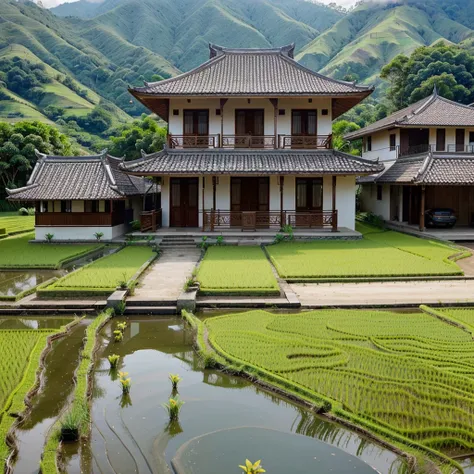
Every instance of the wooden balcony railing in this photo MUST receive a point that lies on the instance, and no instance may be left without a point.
(150, 220)
(248, 141)
(75, 219)
(461, 148)
(254, 220)
(193, 141)
(305, 142)
(414, 150)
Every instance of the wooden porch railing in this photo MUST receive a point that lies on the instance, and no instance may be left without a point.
(150, 220)
(193, 141)
(460, 148)
(253, 220)
(248, 141)
(305, 142)
(73, 219)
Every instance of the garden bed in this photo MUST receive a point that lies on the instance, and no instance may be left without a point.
(16, 253)
(103, 276)
(406, 377)
(380, 254)
(236, 271)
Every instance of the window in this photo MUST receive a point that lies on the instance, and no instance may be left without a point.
(379, 192)
(440, 139)
(66, 206)
(107, 206)
(369, 143)
(393, 141)
(91, 206)
(44, 206)
(304, 122)
(196, 122)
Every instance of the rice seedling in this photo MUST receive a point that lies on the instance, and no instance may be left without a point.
(125, 382)
(409, 374)
(174, 379)
(113, 360)
(236, 270)
(17, 224)
(173, 407)
(122, 326)
(252, 468)
(118, 335)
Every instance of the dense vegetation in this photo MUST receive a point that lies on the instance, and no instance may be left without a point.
(236, 270)
(378, 254)
(404, 376)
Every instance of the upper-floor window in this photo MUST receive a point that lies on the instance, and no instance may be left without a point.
(368, 143)
(440, 139)
(393, 141)
(304, 122)
(249, 122)
(196, 122)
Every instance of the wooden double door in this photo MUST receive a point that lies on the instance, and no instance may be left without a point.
(249, 195)
(184, 202)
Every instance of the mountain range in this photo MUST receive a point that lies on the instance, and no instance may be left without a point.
(106, 46)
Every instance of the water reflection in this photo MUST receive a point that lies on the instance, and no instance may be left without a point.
(134, 434)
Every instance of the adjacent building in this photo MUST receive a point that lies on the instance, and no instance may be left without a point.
(427, 153)
(250, 144)
(77, 197)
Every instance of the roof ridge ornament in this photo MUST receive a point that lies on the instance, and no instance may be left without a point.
(435, 90)
(40, 155)
(215, 51)
(288, 50)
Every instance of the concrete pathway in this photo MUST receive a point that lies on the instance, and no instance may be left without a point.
(164, 280)
(314, 295)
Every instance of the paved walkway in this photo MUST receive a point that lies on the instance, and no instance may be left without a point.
(164, 280)
(312, 295)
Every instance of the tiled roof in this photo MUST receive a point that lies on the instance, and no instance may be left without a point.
(268, 72)
(86, 177)
(429, 169)
(250, 162)
(433, 111)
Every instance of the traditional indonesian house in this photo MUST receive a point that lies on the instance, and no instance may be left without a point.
(427, 151)
(76, 197)
(250, 146)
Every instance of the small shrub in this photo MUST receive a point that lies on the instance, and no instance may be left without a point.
(49, 238)
(23, 211)
(173, 407)
(131, 288)
(174, 379)
(136, 225)
(220, 240)
(288, 230)
(125, 382)
(98, 236)
(120, 308)
(113, 360)
(204, 244)
(73, 421)
(255, 468)
(278, 238)
(190, 282)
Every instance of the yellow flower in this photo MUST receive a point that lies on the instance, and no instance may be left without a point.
(123, 374)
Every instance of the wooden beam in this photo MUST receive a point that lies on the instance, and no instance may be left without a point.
(422, 209)
(282, 217)
(334, 218)
(274, 102)
(214, 184)
(222, 103)
(203, 209)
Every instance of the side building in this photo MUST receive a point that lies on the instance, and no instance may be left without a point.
(76, 197)
(250, 144)
(427, 153)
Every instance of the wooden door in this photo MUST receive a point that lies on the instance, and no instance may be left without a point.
(196, 128)
(184, 202)
(247, 195)
(440, 139)
(460, 139)
(309, 198)
(304, 128)
(249, 124)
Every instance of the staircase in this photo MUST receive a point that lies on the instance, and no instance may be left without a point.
(177, 242)
(145, 306)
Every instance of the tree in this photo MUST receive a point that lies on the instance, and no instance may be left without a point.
(144, 134)
(341, 128)
(17, 150)
(450, 68)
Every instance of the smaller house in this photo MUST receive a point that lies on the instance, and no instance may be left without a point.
(75, 197)
(427, 151)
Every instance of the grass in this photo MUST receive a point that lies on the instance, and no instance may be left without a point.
(408, 377)
(105, 274)
(236, 270)
(18, 253)
(15, 224)
(380, 254)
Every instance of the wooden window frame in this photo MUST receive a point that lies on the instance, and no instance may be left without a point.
(305, 112)
(195, 122)
(393, 146)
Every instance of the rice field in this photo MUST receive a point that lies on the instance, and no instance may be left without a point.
(236, 270)
(17, 253)
(106, 273)
(406, 376)
(16, 224)
(380, 254)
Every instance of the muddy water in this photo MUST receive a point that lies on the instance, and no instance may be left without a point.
(56, 389)
(25, 322)
(132, 434)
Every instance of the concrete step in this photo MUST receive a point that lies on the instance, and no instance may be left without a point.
(158, 310)
(150, 302)
(178, 244)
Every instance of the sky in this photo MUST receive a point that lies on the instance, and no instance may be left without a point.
(53, 3)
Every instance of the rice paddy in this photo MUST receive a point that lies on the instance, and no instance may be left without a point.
(18, 253)
(236, 270)
(16, 224)
(380, 254)
(406, 376)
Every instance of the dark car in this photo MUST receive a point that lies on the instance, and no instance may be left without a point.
(440, 217)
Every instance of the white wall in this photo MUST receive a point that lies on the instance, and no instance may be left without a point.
(79, 233)
(381, 146)
(369, 202)
(284, 121)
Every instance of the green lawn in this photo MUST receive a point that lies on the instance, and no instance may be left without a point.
(15, 224)
(378, 254)
(236, 270)
(17, 253)
(406, 376)
(105, 274)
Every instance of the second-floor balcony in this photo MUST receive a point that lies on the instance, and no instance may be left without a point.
(425, 148)
(310, 142)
